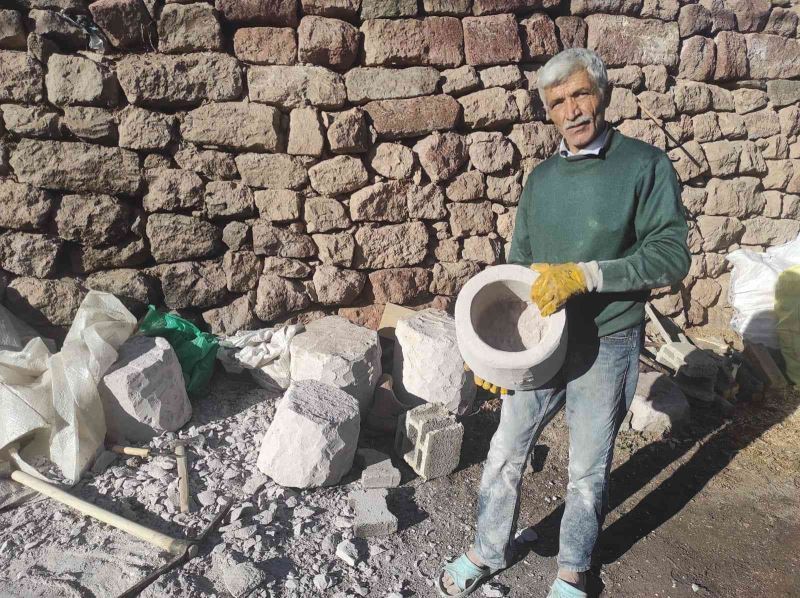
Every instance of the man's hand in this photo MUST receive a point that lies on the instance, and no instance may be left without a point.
(555, 284)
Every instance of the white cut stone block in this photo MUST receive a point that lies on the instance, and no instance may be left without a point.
(501, 334)
(312, 438)
(144, 393)
(428, 367)
(429, 439)
(335, 351)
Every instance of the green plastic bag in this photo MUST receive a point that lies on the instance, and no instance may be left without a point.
(196, 350)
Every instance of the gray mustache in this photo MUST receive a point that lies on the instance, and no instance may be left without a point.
(575, 123)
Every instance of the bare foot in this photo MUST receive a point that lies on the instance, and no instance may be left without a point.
(449, 585)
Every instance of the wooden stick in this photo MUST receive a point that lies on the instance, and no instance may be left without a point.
(131, 450)
(183, 476)
(153, 537)
(667, 133)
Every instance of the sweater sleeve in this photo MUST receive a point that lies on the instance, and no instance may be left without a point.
(520, 252)
(661, 257)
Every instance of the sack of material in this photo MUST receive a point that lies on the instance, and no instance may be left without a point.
(752, 290)
(49, 404)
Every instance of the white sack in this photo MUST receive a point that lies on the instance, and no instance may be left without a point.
(752, 290)
(51, 400)
(264, 353)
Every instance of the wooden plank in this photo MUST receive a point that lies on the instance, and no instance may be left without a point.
(392, 313)
(758, 356)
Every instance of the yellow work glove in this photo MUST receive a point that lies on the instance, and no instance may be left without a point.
(555, 284)
(481, 383)
(492, 388)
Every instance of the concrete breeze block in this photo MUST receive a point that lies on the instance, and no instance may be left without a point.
(339, 353)
(428, 367)
(143, 393)
(429, 439)
(312, 438)
(372, 516)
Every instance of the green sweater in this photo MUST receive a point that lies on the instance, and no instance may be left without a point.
(622, 209)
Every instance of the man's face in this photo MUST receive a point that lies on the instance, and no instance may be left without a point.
(576, 108)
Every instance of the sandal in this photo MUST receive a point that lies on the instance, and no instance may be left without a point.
(466, 576)
(561, 589)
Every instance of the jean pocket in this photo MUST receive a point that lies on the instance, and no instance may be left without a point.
(628, 336)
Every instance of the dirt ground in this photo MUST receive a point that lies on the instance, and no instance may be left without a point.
(712, 511)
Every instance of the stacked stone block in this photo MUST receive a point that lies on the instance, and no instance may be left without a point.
(247, 163)
(429, 439)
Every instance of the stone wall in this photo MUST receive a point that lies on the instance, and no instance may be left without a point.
(252, 161)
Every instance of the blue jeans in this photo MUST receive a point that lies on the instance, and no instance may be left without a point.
(597, 383)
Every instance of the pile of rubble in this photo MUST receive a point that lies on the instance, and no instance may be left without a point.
(705, 369)
(272, 461)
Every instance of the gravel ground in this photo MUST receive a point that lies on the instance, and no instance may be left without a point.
(712, 512)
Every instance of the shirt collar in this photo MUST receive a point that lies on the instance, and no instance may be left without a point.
(593, 149)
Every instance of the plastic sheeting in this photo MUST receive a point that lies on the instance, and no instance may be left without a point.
(752, 290)
(49, 404)
(264, 353)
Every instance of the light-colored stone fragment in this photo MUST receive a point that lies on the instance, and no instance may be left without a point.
(143, 393)
(313, 437)
(427, 364)
(334, 351)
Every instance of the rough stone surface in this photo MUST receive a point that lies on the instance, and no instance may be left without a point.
(29, 254)
(372, 517)
(623, 40)
(159, 80)
(658, 405)
(23, 206)
(378, 470)
(272, 171)
(336, 286)
(262, 12)
(235, 125)
(265, 45)
(76, 166)
(427, 364)
(21, 78)
(392, 160)
(432, 41)
(45, 302)
(192, 284)
(365, 84)
(334, 351)
(429, 440)
(491, 40)
(188, 28)
(126, 23)
(342, 174)
(92, 219)
(395, 119)
(306, 133)
(143, 393)
(227, 199)
(390, 246)
(327, 42)
(277, 297)
(312, 438)
(295, 86)
(174, 237)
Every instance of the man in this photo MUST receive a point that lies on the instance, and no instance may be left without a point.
(601, 222)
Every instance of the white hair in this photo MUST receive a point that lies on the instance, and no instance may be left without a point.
(566, 63)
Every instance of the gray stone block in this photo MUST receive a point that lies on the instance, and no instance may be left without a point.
(143, 393)
(337, 352)
(312, 438)
(429, 439)
(372, 516)
(378, 470)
